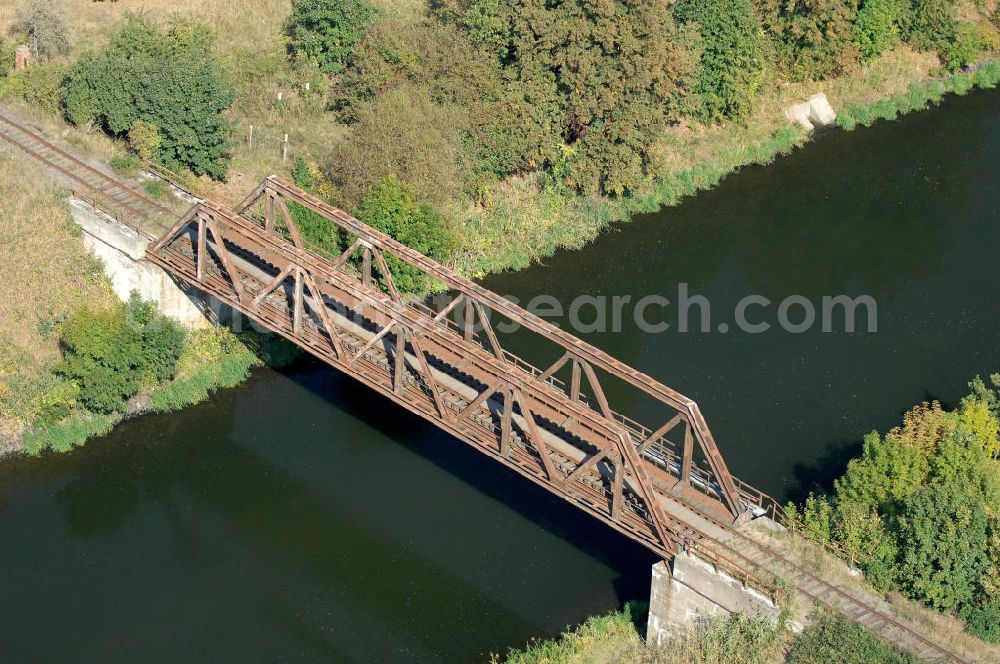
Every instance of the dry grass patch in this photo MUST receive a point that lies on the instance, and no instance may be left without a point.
(45, 272)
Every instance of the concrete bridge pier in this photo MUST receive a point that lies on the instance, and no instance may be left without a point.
(686, 588)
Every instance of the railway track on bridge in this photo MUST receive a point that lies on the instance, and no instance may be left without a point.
(607, 484)
(340, 314)
(109, 194)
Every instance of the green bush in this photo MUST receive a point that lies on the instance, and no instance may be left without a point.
(392, 208)
(165, 78)
(829, 639)
(877, 27)
(324, 31)
(603, 82)
(732, 55)
(407, 135)
(930, 24)
(920, 505)
(814, 37)
(40, 85)
(65, 435)
(111, 354)
(965, 47)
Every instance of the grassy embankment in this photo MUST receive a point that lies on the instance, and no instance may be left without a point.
(615, 639)
(49, 276)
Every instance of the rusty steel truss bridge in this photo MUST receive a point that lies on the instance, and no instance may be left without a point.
(661, 481)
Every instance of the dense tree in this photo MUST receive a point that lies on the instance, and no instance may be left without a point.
(324, 31)
(110, 354)
(392, 207)
(877, 27)
(732, 55)
(815, 37)
(930, 24)
(43, 24)
(923, 503)
(165, 78)
(597, 80)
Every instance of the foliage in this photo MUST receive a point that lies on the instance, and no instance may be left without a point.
(813, 36)
(166, 78)
(392, 207)
(921, 505)
(918, 96)
(39, 85)
(604, 80)
(965, 47)
(877, 27)
(319, 233)
(406, 135)
(324, 31)
(44, 26)
(111, 354)
(732, 55)
(930, 24)
(145, 140)
(67, 434)
(835, 639)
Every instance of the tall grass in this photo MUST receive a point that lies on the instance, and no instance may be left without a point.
(919, 96)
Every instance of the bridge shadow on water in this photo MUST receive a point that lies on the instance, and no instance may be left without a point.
(485, 476)
(310, 537)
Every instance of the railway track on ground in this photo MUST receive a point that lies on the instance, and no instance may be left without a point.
(112, 196)
(762, 557)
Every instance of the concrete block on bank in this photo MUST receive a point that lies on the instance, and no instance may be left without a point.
(800, 113)
(820, 111)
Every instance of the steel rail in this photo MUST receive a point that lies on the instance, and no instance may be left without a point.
(112, 182)
(782, 559)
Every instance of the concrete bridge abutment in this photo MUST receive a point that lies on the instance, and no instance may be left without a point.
(688, 588)
(121, 250)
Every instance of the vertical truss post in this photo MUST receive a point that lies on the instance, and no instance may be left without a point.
(297, 303)
(201, 248)
(618, 486)
(470, 318)
(399, 360)
(506, 420)
(269, 212)
(686, 455)
(366, 266)
(574, 385)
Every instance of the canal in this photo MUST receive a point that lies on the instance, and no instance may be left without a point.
(301, 517)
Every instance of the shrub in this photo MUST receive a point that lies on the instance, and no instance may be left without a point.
(166, 78)
(403, 134)
(830, 639)
(732, 55)
(965, 47)
(40, 85)
(930, 24)
(145, 140)
(392, 208)
(44, 25)
(877, 27)
(110, 354)
(604, 80)
(814, 36)
(65, 435)
(324, 31)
